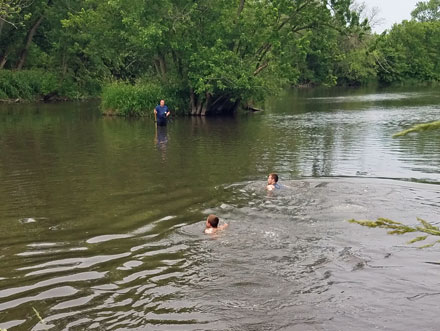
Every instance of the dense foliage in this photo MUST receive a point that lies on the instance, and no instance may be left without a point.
(428, 11)
(206, 56)
(31, 84)
(410, 52)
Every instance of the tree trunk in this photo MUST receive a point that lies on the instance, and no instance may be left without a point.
(202, 106)
(240, 8)
(206, 104)
(199, 106)
(178, 63)
(193, 102)
(156, 65)
(4, 59)
(163, 66)
(223, 105)
(30, 35)
(236, 104)
(2, 23)
(64, 65)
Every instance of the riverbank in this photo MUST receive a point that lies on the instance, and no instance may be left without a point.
(122, 98)
(38, 85)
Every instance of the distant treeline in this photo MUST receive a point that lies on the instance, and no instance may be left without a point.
(204, 56)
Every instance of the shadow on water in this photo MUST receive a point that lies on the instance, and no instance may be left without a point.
(161, 140)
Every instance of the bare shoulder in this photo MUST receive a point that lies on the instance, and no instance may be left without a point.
(209, 231)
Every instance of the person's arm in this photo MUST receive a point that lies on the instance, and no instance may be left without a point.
(223, 226)
(168, 113)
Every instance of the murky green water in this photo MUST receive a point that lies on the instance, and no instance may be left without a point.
(101, 219)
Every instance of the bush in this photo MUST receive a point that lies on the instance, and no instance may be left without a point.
(3, 95)
(124, 99)
(26, 84)
(32, 85)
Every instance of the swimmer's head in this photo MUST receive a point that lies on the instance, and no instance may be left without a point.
(272, 179)
(212, 221)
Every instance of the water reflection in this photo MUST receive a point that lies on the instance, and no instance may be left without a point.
(161, 140)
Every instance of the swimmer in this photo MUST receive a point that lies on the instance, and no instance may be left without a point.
(272, 182)
(212, 224)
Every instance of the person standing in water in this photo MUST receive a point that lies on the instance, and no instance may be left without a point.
(272, 182)
(161, 113)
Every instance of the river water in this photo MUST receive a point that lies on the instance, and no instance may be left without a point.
(101, 219)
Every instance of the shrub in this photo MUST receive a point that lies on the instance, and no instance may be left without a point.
(26, 84)
(33, 84)
(124, 99)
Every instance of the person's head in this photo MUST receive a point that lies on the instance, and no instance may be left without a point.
(162, 103)
(212, 221)
(272, 179)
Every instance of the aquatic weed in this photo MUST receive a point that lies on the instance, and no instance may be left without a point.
(399, 228)
(419, 127)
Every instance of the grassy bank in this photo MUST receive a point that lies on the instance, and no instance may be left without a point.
(35, 85)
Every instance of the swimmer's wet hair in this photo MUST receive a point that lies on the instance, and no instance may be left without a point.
(274, 176)
(213, 220)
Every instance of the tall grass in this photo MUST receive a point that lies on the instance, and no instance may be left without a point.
(123, 99)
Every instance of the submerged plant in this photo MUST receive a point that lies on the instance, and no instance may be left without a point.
(418, 128)
(399, 228)
(38, 315)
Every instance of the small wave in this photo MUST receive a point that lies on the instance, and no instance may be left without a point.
(104, 238)
(58, 292)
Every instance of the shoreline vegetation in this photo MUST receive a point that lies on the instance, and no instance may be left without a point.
(36, 85)
(207, 58)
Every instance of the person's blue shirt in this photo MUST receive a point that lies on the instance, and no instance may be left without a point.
(161, 113)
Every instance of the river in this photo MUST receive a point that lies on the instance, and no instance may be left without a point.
(102, 218)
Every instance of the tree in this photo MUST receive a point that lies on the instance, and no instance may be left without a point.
(213, 54)
(227, 52)
(340, 54)
(18, 39)
(427, 11)
(409, 52)
(10, 18)
(10, 10)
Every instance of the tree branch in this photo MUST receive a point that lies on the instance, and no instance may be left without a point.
(260, 68)
(240, 8)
